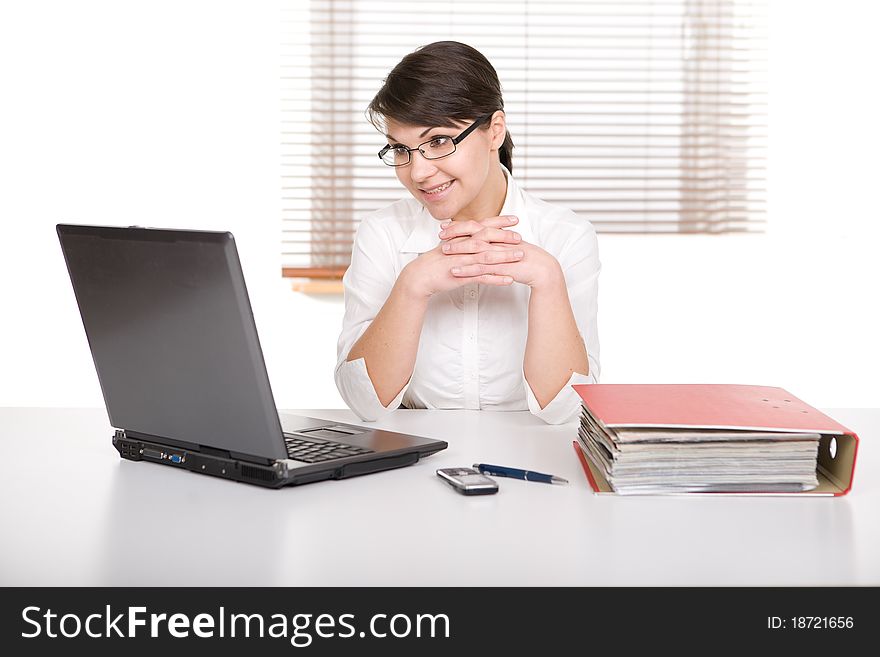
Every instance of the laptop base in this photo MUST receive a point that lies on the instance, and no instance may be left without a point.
(276, 475)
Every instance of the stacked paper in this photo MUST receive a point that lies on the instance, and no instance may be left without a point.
(692, 460)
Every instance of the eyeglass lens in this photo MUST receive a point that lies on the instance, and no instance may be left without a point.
(433, 149)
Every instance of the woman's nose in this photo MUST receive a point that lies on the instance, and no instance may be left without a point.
(421, 168)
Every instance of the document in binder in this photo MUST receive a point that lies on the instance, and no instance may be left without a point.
(710, 438)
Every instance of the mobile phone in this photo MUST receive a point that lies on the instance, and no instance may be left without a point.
(468, 481)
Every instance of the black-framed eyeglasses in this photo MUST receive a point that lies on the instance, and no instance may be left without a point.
(433, 149)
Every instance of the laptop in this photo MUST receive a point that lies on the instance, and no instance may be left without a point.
(172, 335)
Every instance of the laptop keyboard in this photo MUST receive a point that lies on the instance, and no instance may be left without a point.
(313, 451)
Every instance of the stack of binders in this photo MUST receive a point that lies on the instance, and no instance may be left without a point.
(669, 439)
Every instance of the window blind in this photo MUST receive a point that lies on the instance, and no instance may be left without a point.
(640, 116)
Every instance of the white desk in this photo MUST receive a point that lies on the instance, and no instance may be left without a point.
(73, 513)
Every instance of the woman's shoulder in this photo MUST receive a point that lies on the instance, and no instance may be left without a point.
(393, 222)
(556, 224)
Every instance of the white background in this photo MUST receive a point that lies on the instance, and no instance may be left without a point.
(167, 114)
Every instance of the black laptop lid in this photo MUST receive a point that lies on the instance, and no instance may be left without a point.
(172, 334)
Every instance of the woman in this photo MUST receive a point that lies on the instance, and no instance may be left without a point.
(473, 293)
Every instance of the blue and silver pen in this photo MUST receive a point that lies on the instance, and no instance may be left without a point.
(516, 473)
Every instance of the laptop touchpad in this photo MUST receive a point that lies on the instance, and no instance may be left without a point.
(330, 433)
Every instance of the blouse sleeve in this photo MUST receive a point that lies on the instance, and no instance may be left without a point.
(366, 285)
(580, 265)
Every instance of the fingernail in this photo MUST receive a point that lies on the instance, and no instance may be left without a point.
(512, 220)
(442, 233)
(446, 247)
(517, 237)
(445, 223)
(507, 279)
(517, 254)
(456, 270)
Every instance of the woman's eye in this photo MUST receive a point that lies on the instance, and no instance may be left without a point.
(439, 142)
(399, 150)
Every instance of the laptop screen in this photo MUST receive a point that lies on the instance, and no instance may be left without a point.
(172, 335)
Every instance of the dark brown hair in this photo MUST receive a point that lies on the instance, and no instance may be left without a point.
(438, 84)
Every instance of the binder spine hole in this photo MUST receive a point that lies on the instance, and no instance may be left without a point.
(832, 448)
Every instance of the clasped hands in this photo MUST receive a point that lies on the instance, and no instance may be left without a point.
(486, 251)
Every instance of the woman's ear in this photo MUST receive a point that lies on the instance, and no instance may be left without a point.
(497, 129)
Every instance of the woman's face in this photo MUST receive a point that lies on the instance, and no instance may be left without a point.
(451, 186)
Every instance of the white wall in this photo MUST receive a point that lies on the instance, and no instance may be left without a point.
(167, 114)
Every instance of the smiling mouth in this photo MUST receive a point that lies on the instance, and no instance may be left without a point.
(439, 188)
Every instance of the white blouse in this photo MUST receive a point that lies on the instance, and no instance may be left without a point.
(473, 338)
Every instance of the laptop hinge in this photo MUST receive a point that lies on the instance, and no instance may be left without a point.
(137, 435)
(237, 456)
(213, 451)
(121, 434)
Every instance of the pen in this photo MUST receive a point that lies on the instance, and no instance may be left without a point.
(516, 473)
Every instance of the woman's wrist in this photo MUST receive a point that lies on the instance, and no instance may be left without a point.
(410, 285)
(551, 278)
